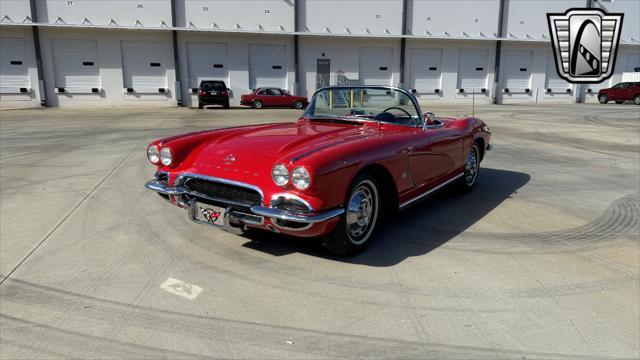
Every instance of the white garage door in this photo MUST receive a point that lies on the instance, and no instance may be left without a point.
(207, 61)
(144, 65)
(516, 70)
(553, 81)
(13, 64)
(375, 66)
(267, 66)
(425, 69)
(472, 69)
(75, 64)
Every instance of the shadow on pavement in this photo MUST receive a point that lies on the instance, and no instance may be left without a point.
(415, 231)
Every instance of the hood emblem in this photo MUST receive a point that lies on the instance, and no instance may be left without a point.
(229, 159)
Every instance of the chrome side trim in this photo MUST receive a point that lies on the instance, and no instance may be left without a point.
(182, 177)
(417, 198)
(305, 218)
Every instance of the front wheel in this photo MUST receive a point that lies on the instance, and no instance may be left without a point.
(298, 104)
(636, 100)
(471, 169)
(354, 231)
(257, 104)
(603, 99)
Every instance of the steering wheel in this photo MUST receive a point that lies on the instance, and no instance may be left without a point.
(394, 108)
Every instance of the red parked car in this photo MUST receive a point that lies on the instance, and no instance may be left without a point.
(620, 93)
(356, 155)
(273, 97)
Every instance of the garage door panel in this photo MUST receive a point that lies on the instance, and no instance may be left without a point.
(553, 81)
(13, 64)
(375, 66)
(517, 69)
(144, 65)
(425, 69)
(75, 63)
(207, 61)
(472, 69)
(267, 66)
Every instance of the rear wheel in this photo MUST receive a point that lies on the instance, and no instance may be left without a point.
(636, 99)
(298, 104)
(363, 208)
(200, 106)
(226, 104)
(257, 104)
(471, 169)
(619, 101)
(603, 99)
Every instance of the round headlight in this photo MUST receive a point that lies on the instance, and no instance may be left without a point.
(280, 175)
(301, 178)
(165, 156)
(153, 154)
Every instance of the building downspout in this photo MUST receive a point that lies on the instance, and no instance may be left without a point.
(496, 70)
(42, 85)
(296, 49)
(403, 43)
(176, 59)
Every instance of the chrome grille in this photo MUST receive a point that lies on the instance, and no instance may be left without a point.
(223, 192)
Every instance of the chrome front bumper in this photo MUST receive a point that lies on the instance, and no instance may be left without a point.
(268, 212)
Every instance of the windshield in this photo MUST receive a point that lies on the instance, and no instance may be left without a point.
(213, 86)
(387, 105)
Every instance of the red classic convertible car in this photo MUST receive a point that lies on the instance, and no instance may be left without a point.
(276, 97)
(356, 154)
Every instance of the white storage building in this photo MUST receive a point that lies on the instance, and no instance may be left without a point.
(155, 52)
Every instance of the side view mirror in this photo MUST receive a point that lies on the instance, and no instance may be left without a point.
(429, 116)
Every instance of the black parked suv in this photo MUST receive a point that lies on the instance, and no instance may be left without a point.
(213, 92)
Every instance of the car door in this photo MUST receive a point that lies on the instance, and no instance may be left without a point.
(270, 98)
(631, 91)
(279, 98)
(263, 96)
(437, 152)
(286, 99)
(618, 91)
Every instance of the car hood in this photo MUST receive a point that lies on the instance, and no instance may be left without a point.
(253, 151)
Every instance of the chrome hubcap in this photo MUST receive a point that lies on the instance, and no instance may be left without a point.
(360, 212)
(471, 168)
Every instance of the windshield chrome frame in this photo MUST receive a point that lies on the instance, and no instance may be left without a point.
(373, 87)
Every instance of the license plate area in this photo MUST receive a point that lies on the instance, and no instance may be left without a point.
(207, 214)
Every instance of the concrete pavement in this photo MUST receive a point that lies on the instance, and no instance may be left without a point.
(541, 260)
